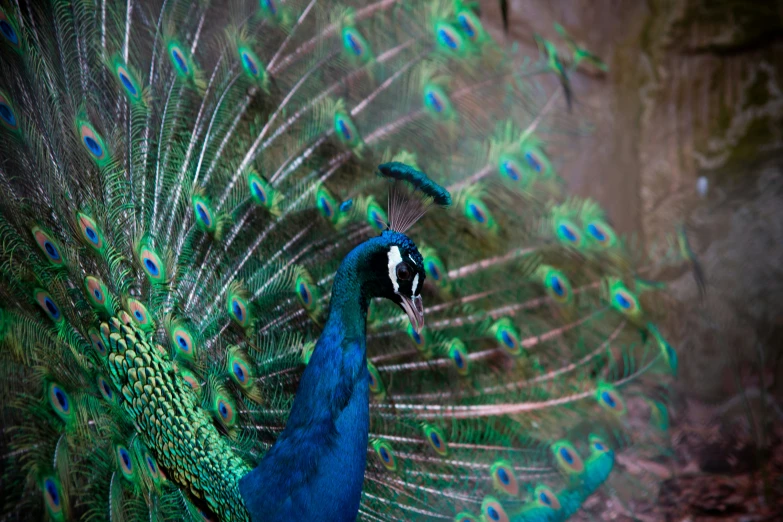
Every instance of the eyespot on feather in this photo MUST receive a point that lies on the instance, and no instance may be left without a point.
(151, 264)
(205, 217)
(568, 233)
(493, 510)
(601, 234)
(180, 60)
(106, 392)
(506, 335)
(385, 454)
(47, 304)
(140, 314)
(346, 130)
(610, 400)
(567, 459)
(8, 117)
(448, 38)
(459, 356)
(252, 65)
(470, 25)
(435, 439)
(503, 478)
(545, 497)
(97, 293)
(376, 217)
(182, 340)
(92, 142)
(90, 232)
(48, 245)
(60, 401)
(354, 44)
(53, 497)
(376, 384)
(125, 462)
(238, 309)
(224, 410)
(9, 31)
(97, 342)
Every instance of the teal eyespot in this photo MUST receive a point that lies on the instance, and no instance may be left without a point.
(355, 45)
(346, 130)
(9, 31)
(306, 292)
(60, 401)
(238, 309)
(261, 192)
(152, 468)
(465, 517)
(385, 454)
(90, 232)
(224, 409)
(568, 232)
(510, 168)
(597, 445)
(448, 38)
(8, 117)
(182, 340)
(93, 142)
(437, 102)
(97, 294)
(478, 213)
(503, 478)
(140, 314)
(97, 342)
(125, 462)
(567, 459)
(152, 264)
(326, 204)
(240, 369)
(180, 60)
(600, 233)
(376, 217)
(470, 25)
(610, 400)
(47, 304)
(49, 246)
(376, 384)
(205, 218)
(545, 497)
(624, 301)
(106, 392)
(128, 81)
(507, 336)
(190, 379)
(252, 65)
(493, 510)
(557, 286)
(435, 439)
(459, 355)
(53, 498)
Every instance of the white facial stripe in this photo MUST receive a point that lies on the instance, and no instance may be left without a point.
(394, 259)
(415, 284)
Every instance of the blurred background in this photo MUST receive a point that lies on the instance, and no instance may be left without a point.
(688, 135)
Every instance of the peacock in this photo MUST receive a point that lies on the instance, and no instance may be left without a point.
(300, 260)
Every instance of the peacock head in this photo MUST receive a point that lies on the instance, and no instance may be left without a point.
(396, 266)
(404, 276)
(394, 270)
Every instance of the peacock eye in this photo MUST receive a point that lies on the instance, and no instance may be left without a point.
(404, 272)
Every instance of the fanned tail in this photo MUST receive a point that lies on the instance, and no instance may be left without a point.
(179, 184)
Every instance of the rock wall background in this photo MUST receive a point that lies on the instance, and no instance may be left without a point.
(694, 91)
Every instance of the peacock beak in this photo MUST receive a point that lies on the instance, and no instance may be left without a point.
(414, 307)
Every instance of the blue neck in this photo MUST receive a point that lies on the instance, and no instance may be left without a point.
(315, 470)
